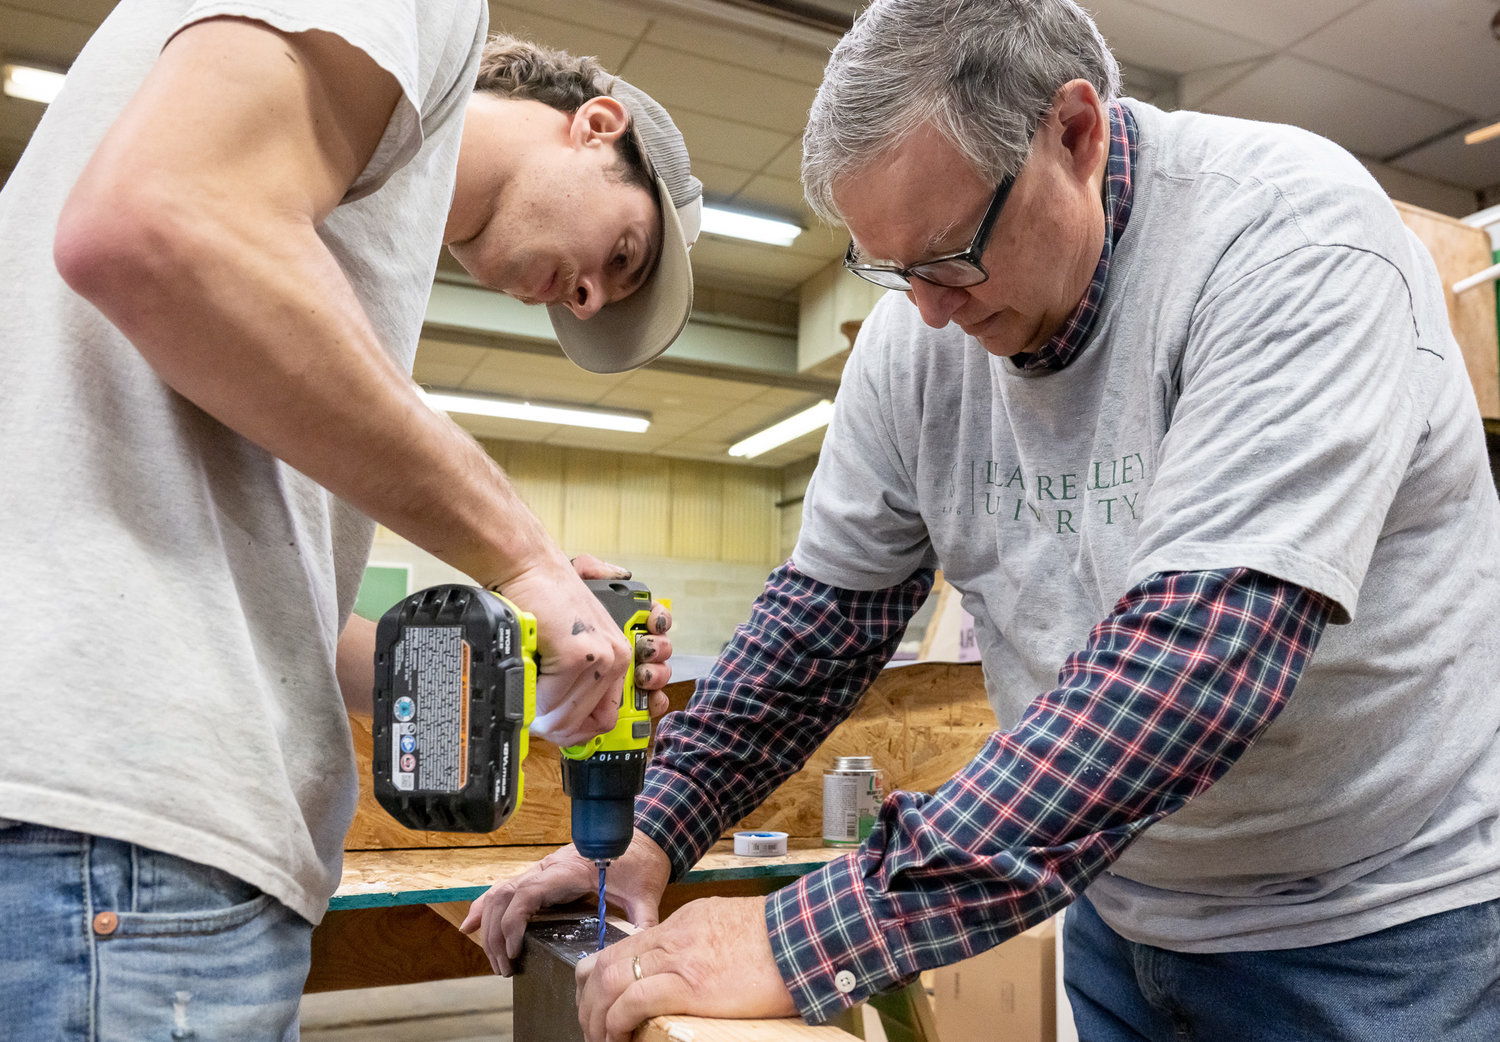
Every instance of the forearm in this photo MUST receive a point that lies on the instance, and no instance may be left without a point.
(1170, 691)
(788, 677)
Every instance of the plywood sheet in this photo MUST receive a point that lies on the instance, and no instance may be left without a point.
(1460, 251)
(921, 723)
(375, 878)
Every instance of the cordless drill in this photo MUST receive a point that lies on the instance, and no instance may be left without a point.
(455, 695)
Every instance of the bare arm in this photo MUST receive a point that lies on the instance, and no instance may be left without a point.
(194, 230)
(356, 665)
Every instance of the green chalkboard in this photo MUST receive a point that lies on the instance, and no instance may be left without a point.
(382, 586)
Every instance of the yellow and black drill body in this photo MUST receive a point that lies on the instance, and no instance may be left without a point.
(455, 695)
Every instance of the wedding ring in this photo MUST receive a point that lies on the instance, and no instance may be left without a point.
(635, 967)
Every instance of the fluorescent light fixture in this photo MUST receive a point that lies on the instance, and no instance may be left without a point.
(805, 422)
(738, 225)
(510, 409)
(1474, 137)
(31, 83)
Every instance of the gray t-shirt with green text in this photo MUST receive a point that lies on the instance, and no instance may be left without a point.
(1272, 384)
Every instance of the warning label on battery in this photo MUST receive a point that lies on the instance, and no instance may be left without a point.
(430, 743)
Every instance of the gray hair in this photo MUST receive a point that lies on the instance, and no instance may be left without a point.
(980, 72)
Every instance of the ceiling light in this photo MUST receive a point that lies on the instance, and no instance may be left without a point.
(31, 83)
(510, 409)
(738, 225)
(1474, 137)
(805, 422)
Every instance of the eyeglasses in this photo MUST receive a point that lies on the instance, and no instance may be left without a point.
(955, 271)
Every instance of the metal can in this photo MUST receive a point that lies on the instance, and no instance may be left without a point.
(852, 792)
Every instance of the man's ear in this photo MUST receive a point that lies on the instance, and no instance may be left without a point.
(1085, 127)
(599, 120)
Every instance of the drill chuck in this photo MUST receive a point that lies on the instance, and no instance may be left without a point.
(602, 789)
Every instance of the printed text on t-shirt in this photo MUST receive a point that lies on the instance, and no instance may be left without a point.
(1108, 491)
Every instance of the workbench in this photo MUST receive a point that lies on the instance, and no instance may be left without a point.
(392, 920)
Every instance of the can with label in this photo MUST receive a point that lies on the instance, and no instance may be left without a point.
(852, 792)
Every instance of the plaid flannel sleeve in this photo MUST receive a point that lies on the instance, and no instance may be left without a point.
(1171, 689)
(787, 678)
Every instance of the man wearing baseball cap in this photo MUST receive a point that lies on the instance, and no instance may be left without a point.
(618, 294)
(219, 247)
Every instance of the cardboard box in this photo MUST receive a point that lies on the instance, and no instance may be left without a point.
(1007, 994)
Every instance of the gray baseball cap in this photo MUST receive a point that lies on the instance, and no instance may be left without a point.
(631, 332)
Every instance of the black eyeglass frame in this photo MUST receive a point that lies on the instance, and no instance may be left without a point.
(899, 278)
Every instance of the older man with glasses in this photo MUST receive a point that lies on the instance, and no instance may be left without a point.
(1186, 425)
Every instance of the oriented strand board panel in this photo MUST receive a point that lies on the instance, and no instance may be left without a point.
(921, 723)
(1461, 251)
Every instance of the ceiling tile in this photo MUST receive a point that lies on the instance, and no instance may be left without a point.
(729, 143)
(1441, 50)
(442, 352)
(1196, 89)
(788, 162)
(607, 441)
(610, 48)
(1450, 160)
(719, 182)
(1362, 117)
(680, 80)
(87, 12)
(785, 58)
(43, 37)
(445, 365)
(622, 19)
(19, 119)
(1274, 22)
(680, 391)
(750, 259)
(503, 430)
(543, 377)
(775, 197)
(1165, 42)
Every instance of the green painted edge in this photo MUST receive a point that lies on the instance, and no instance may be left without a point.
(405, 897)
(468, 893)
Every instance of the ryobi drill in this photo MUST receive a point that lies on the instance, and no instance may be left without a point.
(455, 694)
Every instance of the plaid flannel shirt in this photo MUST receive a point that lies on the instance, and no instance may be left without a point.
(1169, 691)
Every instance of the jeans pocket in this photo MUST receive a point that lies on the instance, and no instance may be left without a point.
(177, 897)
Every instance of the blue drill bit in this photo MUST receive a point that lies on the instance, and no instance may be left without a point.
(601, 863)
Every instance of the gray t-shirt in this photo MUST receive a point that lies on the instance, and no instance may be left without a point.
(172, 594)
(1272, 384)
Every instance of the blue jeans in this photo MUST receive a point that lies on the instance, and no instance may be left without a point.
(1428, 980)
(103, 941)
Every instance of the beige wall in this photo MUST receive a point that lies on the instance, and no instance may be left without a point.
(704, 535)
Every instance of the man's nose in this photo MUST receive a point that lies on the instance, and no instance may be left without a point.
(936, 303)
(587, 298)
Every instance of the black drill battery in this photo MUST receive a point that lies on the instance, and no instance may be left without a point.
(455, 692)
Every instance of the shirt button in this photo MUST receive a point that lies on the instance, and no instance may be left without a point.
(844, 981)
(105, 923)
